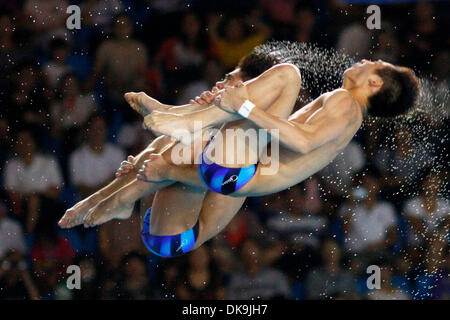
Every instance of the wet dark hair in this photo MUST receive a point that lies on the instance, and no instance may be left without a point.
(397, 95)
(255, 63)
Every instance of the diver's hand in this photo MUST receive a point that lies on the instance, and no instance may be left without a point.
(154, 169)
(207, 97)
(126, 167)
(232, 98)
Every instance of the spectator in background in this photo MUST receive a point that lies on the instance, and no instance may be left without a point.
(71, 107)
(95, 162)
(56, 68)
(183, 56)
(31, 171)
(354, 40)
(212, 71)
(297, 225)
(256, 281)
(121, 61)
(427, 213)
(118, 238)
(404, 163)
(35, 180)
(330, 280)
(70, 111)
(201, 279)
(223, 256)
(300, 227)
(370, 224)
(133, 281)
(11, 234)
(16, 282)
(237, 39)
(305, 24)
(91, 166)
(28, 99)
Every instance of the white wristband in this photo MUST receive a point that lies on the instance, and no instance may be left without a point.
(246, 108)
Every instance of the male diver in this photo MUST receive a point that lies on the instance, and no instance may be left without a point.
(310, 139)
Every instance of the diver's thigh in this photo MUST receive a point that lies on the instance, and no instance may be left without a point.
(175, 209)
(216, 214)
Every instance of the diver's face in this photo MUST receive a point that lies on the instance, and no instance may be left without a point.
(365, 72)
(230, 79)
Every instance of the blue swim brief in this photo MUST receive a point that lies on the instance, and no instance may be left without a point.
(222, 179)
(168, 246)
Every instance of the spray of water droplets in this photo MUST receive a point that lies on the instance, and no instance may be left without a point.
(321, 68)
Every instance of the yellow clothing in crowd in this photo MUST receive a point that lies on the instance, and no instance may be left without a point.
(230, 53)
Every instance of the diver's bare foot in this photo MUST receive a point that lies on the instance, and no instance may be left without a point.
(105, 211)
(142, 103)
(174, 125)
(75, 215)
(155, 169)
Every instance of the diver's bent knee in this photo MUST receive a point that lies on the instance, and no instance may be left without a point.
(289, 73)
(202, 236)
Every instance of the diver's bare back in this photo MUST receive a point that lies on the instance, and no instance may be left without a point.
(295, 167)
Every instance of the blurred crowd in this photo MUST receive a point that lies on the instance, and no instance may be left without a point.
(65, 128)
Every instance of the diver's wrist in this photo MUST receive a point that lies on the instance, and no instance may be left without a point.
(246, 108)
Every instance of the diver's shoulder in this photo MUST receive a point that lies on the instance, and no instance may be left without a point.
(342, 98)
(339, 93)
